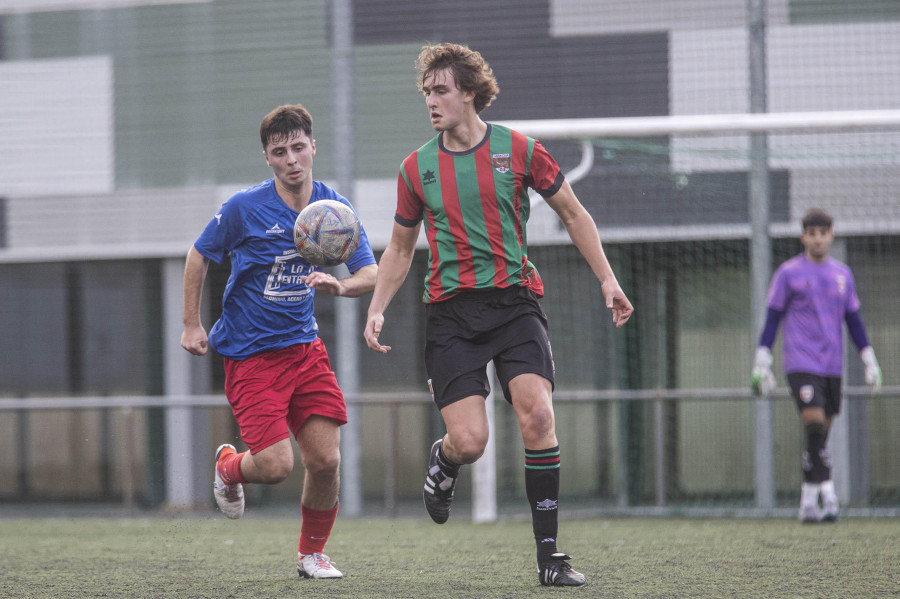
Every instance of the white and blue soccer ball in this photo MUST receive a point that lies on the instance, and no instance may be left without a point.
(326, 233)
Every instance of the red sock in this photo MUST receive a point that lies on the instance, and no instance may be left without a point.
(315, 529)
(229, 467)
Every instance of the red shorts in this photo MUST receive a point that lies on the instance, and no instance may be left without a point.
(272, 394)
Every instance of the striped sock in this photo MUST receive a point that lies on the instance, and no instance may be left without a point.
(542, 489)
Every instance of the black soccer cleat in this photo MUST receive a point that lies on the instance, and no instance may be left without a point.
(438, 493)
(556, 572)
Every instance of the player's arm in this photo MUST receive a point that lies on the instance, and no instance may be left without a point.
(583, 232)
(392, 271)
(194, 338)
(359, 283)
(857, 331)
(762, 380)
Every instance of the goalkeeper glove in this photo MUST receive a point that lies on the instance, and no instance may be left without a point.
(762, 381)
(873, 371)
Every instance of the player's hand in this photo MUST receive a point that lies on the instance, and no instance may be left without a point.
(616, 301)
(322, 281)
(194, 340)
(873, 370)
(762, 381)
(373, 329)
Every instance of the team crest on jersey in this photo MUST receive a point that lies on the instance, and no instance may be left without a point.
(806, 393)
(500, 162)
(841, 283)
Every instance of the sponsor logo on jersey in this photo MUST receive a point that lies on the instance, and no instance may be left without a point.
(285, 281)
(806, 393)
(428, 177)
(218, 219)
(546, 505)
(275, 230)
(500, 162)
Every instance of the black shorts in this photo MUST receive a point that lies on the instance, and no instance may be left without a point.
(464, 333)
(814, 391)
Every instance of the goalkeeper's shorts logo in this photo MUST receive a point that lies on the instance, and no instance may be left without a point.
(806, 393)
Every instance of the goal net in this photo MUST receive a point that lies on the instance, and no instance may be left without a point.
(672, 200)
(686, 176)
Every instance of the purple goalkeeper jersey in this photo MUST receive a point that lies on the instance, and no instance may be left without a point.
(815, 298)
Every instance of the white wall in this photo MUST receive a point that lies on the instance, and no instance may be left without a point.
(56, 126)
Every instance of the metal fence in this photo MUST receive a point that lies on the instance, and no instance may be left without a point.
(665, 451)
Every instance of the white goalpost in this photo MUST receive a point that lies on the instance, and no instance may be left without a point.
(766, 122)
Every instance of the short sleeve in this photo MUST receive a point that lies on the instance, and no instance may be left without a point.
(409, 202)
(544, 175)
(223, 232)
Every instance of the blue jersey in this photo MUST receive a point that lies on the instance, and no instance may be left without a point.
(266, 306)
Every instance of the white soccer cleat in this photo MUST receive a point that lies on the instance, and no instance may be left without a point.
(830, 504)
(229, 498)
(317, 565)
(810, 512)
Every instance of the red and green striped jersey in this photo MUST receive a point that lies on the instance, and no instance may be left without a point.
(475, 207)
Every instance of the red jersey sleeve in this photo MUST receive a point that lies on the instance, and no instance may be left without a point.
(409, 198)
(544, 175)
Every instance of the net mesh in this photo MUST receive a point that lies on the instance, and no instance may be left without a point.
(125, 124)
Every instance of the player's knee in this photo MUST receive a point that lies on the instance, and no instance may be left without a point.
(275, 468)
(538, 422)
(468, 446)
(275, 471)
(324, 464)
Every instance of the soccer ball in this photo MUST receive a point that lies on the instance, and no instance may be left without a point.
(326, 233)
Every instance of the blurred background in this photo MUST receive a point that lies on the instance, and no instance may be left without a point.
(125, 124)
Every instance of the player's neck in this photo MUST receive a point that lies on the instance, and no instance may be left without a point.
(465, 135)
(296, 198)
(816, 259)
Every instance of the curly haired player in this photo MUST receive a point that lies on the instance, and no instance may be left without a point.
(469, 186)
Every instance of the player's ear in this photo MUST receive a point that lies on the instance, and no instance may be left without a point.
(266, 157)
(313, 146)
